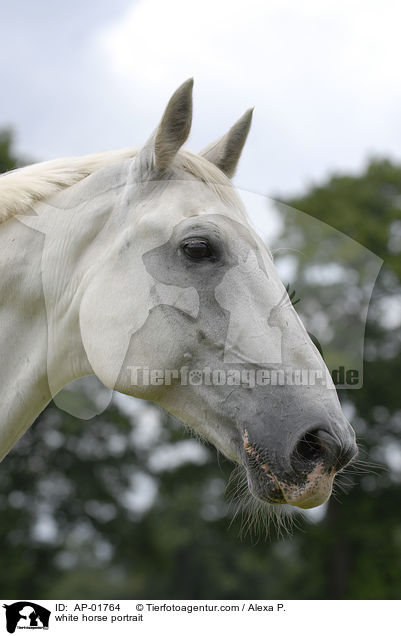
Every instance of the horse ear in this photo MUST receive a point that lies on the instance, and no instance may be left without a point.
(175, 125)
(226, 151)
(172, 131)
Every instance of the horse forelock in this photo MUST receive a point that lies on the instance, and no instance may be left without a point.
(22, 188)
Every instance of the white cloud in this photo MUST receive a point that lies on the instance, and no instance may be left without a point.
(323, 76)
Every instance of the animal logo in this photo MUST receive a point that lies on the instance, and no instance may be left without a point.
(25, 614)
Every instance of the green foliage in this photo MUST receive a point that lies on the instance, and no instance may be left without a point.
(8, 161)
(358, 543)
(98, 510)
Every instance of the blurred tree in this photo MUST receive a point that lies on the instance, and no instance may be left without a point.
(357, 546)
(8, 160)
(127, 506)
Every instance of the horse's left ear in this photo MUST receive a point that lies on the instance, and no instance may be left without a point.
(226, 151)
(172, 131)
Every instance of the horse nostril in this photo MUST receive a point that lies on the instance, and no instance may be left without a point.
(309, 447)
(319, 444)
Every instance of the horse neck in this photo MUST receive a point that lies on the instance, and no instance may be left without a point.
(32, 350)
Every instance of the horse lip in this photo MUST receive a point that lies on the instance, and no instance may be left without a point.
(270, 491)
(274, 492)
(273, 496)
(313, 490)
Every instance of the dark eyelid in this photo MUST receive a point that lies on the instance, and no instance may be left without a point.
(202, 239)
(194, 241)
(209, 232)
(193, 238)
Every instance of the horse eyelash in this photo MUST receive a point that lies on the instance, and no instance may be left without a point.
(291, 296)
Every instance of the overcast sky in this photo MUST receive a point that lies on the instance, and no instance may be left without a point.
(80, 77)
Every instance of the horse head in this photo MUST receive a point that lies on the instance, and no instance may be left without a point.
(185, 308)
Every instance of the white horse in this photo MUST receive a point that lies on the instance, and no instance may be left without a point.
(142, 268)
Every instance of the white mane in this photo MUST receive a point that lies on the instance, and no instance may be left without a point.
(22, 188)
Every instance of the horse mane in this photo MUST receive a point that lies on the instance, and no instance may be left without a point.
(20, 189)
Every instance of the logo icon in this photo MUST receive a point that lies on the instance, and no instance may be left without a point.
(26, 615)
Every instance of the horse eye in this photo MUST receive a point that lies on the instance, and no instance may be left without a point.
(197, 249)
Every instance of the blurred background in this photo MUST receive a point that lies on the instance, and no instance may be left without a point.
(128, 504)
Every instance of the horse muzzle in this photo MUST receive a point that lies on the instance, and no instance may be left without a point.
(302, 474)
